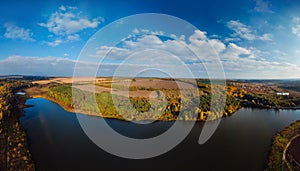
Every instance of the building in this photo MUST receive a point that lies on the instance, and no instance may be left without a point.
(282, 94)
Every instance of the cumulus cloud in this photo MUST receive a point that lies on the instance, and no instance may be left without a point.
(238, 62)
(145, 42)
(246, 32)
(13, 31)
(150, 51)
(67, 22)
(262, 6)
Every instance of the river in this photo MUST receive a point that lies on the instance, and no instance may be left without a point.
(241, 142)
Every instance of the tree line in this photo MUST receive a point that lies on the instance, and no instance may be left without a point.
(168, 107)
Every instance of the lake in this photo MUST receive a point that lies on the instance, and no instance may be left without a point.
(241, 142)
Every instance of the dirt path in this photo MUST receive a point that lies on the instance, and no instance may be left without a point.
(292, 148)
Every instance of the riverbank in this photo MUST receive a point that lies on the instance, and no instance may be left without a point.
(14, 152)
(60, 138)
(63, 97)
(277, 159)
(41, 92)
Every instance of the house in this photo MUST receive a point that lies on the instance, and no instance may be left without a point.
(282, 94)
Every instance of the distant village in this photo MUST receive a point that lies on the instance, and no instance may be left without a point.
(260, 88)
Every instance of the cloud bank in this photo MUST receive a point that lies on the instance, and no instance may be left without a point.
(238, 62)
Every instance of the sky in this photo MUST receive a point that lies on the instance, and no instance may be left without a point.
(253, 39)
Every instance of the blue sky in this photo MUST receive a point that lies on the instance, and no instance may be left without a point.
(254, 38)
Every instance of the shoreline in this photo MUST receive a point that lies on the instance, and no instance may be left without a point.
(42, 92)
(14, 154)
(69, 109)
(286, 158)
(280, 141)
(61, 94)
(72, 110)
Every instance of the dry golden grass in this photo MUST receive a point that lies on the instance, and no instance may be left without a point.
(157, 83)
(120, 85)
(37, 91)
(64, 80)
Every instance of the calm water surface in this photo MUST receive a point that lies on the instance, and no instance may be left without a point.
(241, 142)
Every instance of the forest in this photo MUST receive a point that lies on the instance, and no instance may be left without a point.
(14, 153)
(269, 101)
(171, 107)
(7, 97)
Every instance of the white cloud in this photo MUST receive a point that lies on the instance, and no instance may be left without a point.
(67, 22)
(296, 19)
(69, 38)
(113, 52)
(241, 30)
(149, 51)
(46, 66)
(217, 45)
(15, 32)
(146, 31)
(135, 31)
(296, 30)
(246, 32)
(55, 43)
(262, 6)
(266, 36)
(145, 42)
(148, 40)
(62, 8)
(37, 66)
(73, 37)
(182, 37)
(198, 36)
(234, 52)
(296, 26)
(231, 39)
(238, 62)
